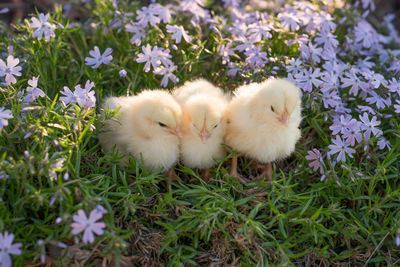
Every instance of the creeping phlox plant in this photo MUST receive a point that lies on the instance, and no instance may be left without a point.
(62, 200)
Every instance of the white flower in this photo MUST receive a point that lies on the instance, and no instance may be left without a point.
(43, 27)
(97, 58)
(178, 32)
(10, 69)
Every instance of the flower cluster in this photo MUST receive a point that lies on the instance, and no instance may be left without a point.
(84, 97)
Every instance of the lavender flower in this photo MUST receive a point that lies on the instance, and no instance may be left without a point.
(382, 143)
(43, 27)
(177, 33)
(148, 15)
(81, 96)
(150, 56)
(97, 58)
(88, 225)
(167, 73)
(10, 69)
(138, 30)
(5, 115)
(289, 21)
(369, 126)
(397, 107)
(315, 158)
(7, 247)
(33, 91)
(397, 240)
(352, 132)
(341, 147)
(122, 73)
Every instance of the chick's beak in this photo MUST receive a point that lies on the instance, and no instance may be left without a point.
(177, 132)
(204, 135)
(284, 118)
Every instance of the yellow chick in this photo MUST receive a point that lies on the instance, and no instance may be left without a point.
(202, 106)
(262, 122)
(148, 127)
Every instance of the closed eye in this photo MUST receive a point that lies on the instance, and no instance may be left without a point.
(216, 125)
(272, 108)
(162, 124)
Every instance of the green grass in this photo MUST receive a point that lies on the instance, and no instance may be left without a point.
(292, 219)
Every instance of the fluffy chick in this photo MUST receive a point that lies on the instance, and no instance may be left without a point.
(148, 127)
(203, 106)
(262, 122)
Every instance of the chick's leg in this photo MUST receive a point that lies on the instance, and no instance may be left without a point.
(205, 174)
(171, 174)
(266, 170)
(234, 173)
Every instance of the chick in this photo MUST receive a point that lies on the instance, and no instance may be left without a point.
(262, 122)
(148, 127)
(202, 106)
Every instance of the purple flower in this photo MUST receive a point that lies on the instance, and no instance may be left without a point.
(138, 30)
(97, 58)
(327, 39)
(352, 80)
(5, 115)
(369, 126)
(225, 51)
(397, 107)
(365, 34)
(88, 225)
(4, 10)
(341, 147)
(33, 91)
(315, 158)
(394, 86)
(340, 125)
(177, 33)
(81, 96)
(289, 21)
(122, 73)
(382, 143)
(307, 78)
(397, 240)
(43, 27)
(377, 100)
(163, 12)
(148, 15)
(10, 69)
(311, 52)
(167, 73)
(331, 98)
(352, 132)
(150, 56)
(256, 57)
(7, 247)
(258, 31)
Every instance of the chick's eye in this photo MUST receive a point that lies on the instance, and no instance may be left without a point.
(162, 124)
(215, 126)
(272, 108)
